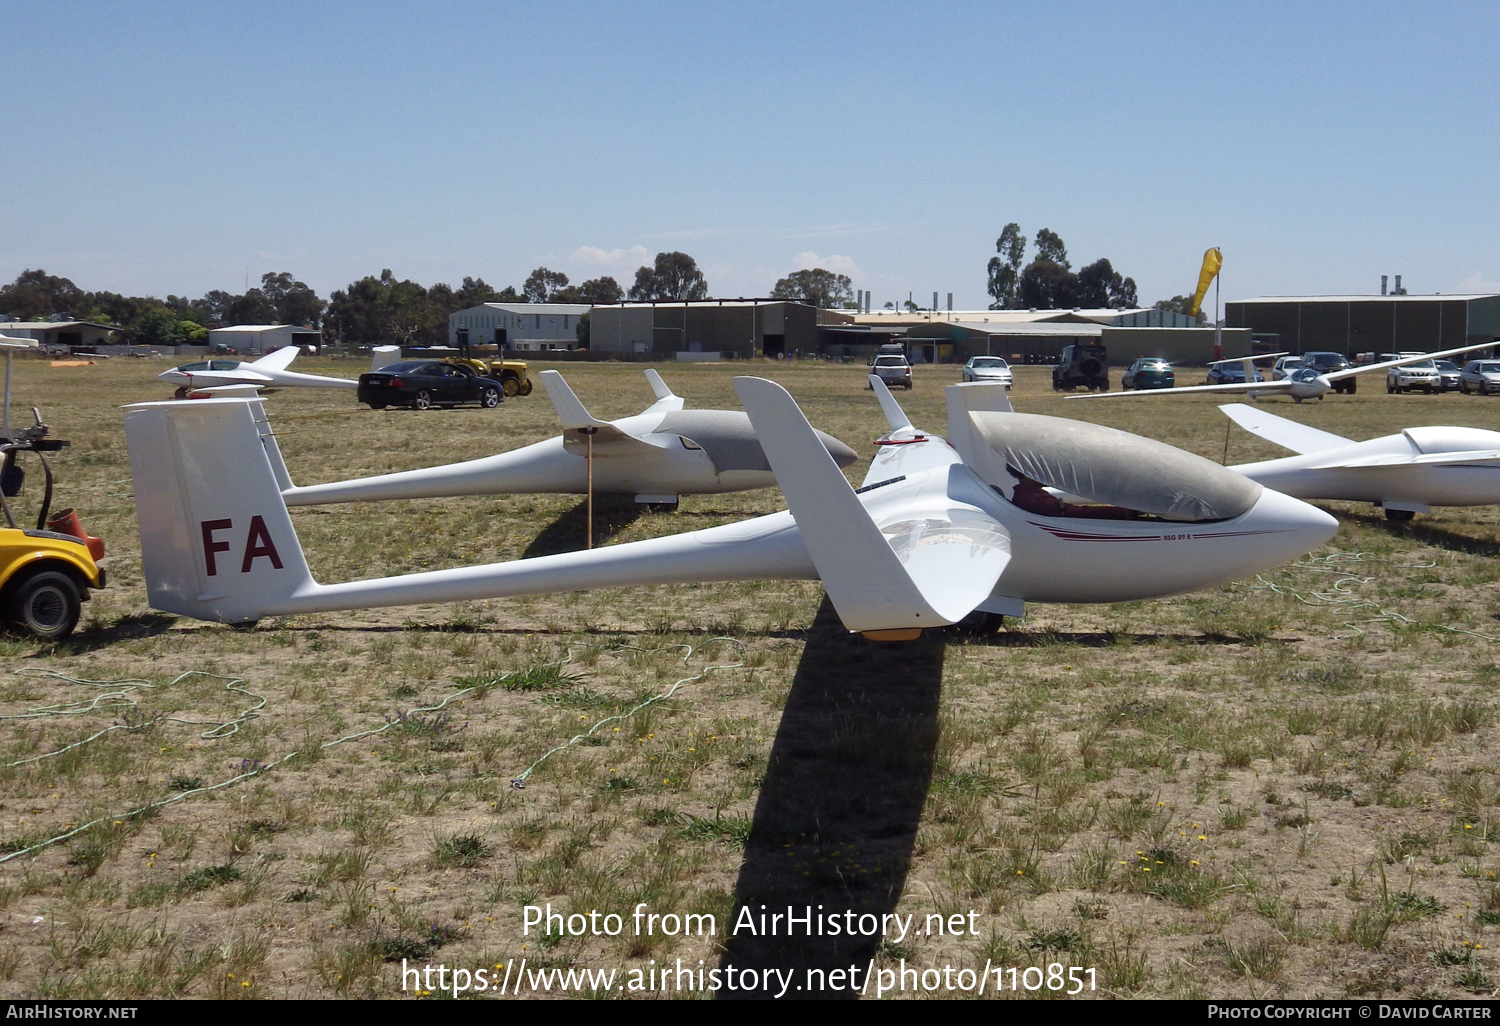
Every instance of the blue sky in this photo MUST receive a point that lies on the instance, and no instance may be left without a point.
(158, 148)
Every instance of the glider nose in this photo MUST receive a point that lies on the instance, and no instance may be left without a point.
(841, 453)
(173, 377)
(1293, 527)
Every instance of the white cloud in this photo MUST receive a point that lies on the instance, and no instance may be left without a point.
(835, 263)
(628, 259)
(1476, 283)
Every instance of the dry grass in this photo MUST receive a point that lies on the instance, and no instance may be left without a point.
(1228, 794)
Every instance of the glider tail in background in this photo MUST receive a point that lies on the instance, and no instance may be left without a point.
(895, 416)
(384, 356)
(666, 401)
(216, 540)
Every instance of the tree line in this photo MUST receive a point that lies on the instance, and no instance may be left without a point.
(376, 309)
(1049, 282)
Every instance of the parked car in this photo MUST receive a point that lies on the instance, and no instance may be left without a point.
(1285, 366)
(1448, 374)
(1423, 374)
(1327, 363)
(423, 384)
(1230, 374)
(893, 370)
(1086, 365)
(1482, 376)
(1149, 372)
(989, 368)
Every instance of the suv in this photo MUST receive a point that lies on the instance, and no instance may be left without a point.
(1081, 365)
(1423, 374)
(1327, 363)
(893, 370)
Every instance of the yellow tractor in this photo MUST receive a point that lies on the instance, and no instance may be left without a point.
(511, 374)
(45, 574)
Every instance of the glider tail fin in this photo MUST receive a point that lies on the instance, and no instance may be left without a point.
(926, 569)
(665, 399)
(216, 540)
(895, 416)
(977, 397)
(384, 356)
(569, 410)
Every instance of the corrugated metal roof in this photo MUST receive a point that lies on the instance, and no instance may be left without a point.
(53, 325)
(1434, 298)
(249, 328)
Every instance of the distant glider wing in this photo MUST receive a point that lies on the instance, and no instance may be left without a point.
(280, 360)
(1287, 433)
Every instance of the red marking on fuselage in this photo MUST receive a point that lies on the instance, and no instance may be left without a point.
(258, 543)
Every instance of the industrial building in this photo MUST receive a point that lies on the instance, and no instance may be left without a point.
(251, 339)
(1027, 336)
(737, 328)
(60, 333)
(1368, 324)
(525, 327)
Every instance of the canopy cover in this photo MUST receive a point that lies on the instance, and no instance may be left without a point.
(1116, 468)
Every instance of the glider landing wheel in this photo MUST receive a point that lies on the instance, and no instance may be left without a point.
(978, 624)
(1399, 516)
(181, 393)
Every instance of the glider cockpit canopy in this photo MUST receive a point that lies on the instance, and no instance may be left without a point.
(1116, 469)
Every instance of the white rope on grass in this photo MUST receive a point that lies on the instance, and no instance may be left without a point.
(226, 728)
(1339, 595)
(520, 781)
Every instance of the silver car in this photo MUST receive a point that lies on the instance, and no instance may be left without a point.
(1284, 367)
(1482, 376)
(989, 368)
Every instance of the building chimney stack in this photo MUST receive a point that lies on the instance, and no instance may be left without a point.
(1398, 291)
(1383, 279)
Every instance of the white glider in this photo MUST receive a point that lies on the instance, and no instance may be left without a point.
(937, 534)
(1405, 474)
(656, 455)
(1303, 383)
(214, 377)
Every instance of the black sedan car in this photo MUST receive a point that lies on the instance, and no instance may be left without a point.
(1149, 372)
(423, 384)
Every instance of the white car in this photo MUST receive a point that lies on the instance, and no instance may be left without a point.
(893, 370)
(1285, 366)
(989, 368)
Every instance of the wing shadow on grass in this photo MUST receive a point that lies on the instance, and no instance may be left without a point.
(837, 815)
(612, 514)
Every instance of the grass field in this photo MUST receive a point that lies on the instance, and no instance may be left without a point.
(1284, 787)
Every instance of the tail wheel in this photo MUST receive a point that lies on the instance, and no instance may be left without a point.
(46, 604)
(511, 384)
(1399, 516)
